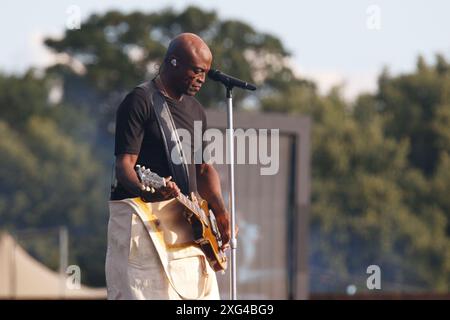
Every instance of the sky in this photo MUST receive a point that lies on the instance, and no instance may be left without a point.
(332, 42)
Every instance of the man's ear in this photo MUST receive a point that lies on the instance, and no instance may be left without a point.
(172, 61)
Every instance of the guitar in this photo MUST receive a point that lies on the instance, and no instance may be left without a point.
(204, 225)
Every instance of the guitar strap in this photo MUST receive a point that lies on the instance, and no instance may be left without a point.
(172, 144)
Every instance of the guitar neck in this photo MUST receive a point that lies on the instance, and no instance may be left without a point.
(192, 206)
(149, 178)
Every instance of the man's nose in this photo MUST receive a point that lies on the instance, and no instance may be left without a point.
(201, 78)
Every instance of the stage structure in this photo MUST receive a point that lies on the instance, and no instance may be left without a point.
(272, 210)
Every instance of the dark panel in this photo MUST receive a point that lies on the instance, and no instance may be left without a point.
(264, 207)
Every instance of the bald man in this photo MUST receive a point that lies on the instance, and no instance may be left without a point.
(138, 140)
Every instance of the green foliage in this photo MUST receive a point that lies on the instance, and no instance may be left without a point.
(118, 51)
(49, 178)
(417, 106)
(375, 199)
(21, 97)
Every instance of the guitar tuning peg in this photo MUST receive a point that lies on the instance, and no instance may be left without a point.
(152, 190)
(147, 188)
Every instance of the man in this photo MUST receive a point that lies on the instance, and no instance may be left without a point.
(139, 141)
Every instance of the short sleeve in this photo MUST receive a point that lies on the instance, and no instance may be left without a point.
(131, 117)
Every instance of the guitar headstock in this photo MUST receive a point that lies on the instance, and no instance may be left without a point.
(149, 179)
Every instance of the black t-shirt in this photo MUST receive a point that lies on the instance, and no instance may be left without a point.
(137, 132)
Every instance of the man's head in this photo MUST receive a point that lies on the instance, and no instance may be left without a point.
(186, 63)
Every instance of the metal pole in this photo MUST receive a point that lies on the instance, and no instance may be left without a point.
(13, 266)
(233, 241)
(63, 258)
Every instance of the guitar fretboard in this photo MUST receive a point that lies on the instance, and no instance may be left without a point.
(189, 204)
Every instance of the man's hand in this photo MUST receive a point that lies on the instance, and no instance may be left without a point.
(224, 224)
(208, 184)
(168, 192)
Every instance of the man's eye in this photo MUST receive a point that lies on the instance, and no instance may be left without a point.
(198, 71)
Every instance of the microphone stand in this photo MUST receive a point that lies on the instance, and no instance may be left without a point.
(229, 82)
(233, 240)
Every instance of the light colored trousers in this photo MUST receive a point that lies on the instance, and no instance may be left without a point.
(151, 254)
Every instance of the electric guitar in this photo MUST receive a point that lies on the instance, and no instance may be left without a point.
(204, 225)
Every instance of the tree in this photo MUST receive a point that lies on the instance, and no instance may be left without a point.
(49, 177)
(370, 205)
(114, 52)
(417, 106)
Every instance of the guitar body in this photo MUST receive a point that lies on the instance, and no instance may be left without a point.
(207, 237)
(204, 226)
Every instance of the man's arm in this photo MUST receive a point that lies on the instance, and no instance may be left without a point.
(127, 177)
(126, 174)
(208, 185)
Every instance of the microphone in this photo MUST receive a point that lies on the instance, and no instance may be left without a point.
(229, 81)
